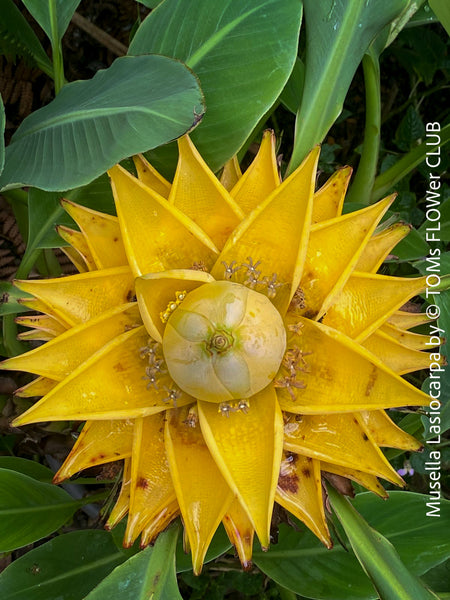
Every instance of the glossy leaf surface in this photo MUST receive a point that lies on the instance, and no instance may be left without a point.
(29, 509)
(338, 34)
(27, 467)
(302, 564)
(138, 103)
(148, 574)
(45, 11)
(68, 567)
(377, 555)
(243, 53)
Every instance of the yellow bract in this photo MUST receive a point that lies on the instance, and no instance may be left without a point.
(246, 285)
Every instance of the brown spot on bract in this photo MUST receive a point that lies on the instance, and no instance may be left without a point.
(372, 379)
(118, 367)
(310, 314)
(95, 459)
(116, 239)
(306, 472)
(288, 482)
(364, 437)
(142, 483)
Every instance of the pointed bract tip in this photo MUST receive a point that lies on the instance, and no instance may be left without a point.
(247, 565)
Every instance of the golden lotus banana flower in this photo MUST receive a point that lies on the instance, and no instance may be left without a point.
(231, 341)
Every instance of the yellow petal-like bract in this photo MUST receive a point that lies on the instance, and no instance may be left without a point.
(230, 341)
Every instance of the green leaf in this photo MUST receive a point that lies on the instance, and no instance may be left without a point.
(377, 555)
(424, 16)
(437, 579)
(30, 468)
(17, 37)
(302, 564)
(8, 299)
(413, 246)
(411, 128)
(386, 180)
(292, 93)
(67, 567)
(419, 540)
(138, 103)
(391, 31)
(45, 212)
(441, 8)
(30, 510)
(150, 3)
(42, 12)
(243, 52)
(148, 574)
(338, 33)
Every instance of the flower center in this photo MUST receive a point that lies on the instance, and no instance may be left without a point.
(220, 342)
(224, 342)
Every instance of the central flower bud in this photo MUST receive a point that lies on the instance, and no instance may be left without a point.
(220, 341)
(224, 342)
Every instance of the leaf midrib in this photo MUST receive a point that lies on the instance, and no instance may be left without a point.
(72, 573)
(304, 552)
(37, 509)
(334, 67)
(216, 38)
(87, 115)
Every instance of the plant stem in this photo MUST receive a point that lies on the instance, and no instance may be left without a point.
(385, 181)
(47, 264)
(365, 176)
(58, 67)
(28, 260)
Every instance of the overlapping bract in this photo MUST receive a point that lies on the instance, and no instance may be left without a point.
(324, 411)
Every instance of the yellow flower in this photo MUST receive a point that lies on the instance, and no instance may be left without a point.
(262, 349)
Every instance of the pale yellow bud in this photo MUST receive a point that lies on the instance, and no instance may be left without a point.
(224, 342)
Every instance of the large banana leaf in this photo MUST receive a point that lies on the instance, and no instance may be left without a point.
(138, 103)
(338, 33)
(242, 51)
